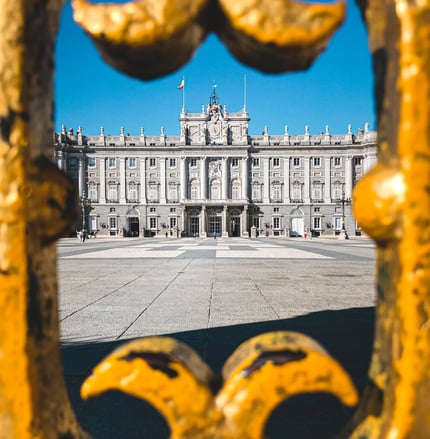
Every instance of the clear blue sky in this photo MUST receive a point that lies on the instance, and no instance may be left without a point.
(335, 91)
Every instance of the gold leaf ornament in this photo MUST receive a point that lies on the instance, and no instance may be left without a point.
(259, 375)
(151, 38)
(144, 39)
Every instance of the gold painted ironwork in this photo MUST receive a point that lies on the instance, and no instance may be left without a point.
(150, 38)
(258, 376)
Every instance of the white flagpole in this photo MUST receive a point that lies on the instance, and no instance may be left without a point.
(183, 96)
(244, 92)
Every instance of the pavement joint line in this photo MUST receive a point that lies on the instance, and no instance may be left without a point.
(99, 298)
(152, 302)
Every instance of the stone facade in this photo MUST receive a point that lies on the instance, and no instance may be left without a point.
(215, 177)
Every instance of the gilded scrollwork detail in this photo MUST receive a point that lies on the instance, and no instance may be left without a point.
(257, 377)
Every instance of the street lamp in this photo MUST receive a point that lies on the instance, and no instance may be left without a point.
(84, 201)
(343, 234)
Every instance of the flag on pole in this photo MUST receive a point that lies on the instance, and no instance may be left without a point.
(182, 84)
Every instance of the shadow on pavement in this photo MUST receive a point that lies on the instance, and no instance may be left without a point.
(346, 334)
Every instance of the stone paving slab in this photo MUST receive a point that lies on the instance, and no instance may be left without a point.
(213, 300)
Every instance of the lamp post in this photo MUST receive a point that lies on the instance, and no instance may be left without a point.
(84, 201)
(343, 234)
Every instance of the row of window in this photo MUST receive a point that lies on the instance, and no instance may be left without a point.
(276, 162)
(153, 192)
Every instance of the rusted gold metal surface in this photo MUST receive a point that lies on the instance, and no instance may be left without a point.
(150, 38)
(258, 376)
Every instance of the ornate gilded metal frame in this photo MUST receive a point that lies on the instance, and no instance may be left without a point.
(150, 38)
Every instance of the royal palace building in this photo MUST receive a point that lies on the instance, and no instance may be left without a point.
(215, 177)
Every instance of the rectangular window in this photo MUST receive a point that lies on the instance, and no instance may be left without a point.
(276, 209)
(172, 222)
(235, 163)
(113, 192)
(91, 162)
(337, 161)
(317, 162)
(152, 209)
(276, 223)
(152, 163)
(172, 163)
(337, 223)
(112, 162)
(132, 162)
(153, 223)
(92, 193)
(112, 222)
(357, 161)
(256, 192)
(296, 162)
(193, 163)
(173, 192)
(317, 222)
(172, 209)
(255, 162)
(316, 209)
(132, 192)
(276, 162)
(153, 192)
(276, 192)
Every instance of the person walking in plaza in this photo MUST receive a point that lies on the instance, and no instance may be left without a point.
(214, 235)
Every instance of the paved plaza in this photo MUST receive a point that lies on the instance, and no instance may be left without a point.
(213, 295)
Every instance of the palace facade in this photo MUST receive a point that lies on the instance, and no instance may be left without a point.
(215, 177)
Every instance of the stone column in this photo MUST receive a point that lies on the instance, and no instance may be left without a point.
(244, 222)
(143, 181)
(203, 233)
(245, 179)
(286, 194)
(203, 179)
(102, 172)
(348, 177)
(60, 161)
(224, 223)
(183, 176)
(81, 177)
(122, 180)
(307, 179)
(266, 181)
(163, 180)
(224, 176)
(327, 180)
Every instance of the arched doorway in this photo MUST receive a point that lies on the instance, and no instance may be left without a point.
(297, 223)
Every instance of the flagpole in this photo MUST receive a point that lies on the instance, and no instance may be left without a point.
(183, 96)
(244, 92)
